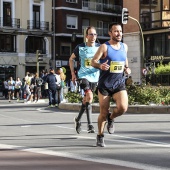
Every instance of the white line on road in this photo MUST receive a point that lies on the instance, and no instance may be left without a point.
(142, 141)
(165, 131)
(138, 140)
(84, 157)
(94, 159)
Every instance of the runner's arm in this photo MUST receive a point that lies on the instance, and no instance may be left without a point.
(71, 64)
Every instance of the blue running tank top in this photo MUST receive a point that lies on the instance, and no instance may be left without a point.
(113, 77)
(85, 54)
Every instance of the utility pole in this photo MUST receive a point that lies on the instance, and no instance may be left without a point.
(39, 57)
(143, 44)
(125, 16)
(37, 52)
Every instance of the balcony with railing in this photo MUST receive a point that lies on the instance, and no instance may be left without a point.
(9, 22)
(100, 31)
(95, 6)
(148, 2)
(41, 25)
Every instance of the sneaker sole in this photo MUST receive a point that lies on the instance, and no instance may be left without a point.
(110, 131)
(91, 131)
(101, 146)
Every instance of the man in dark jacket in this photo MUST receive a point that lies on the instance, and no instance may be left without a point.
(51, 80)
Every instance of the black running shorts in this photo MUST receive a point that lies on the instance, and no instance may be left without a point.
(111, 91)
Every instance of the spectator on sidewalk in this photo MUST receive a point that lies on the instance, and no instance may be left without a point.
(6, 89)
(63, 78)
(28, 87)
(73, 86)
(58, 85)
(37, 83)
(11, 88)
(18, 85)
(51, 80)
(45, 86)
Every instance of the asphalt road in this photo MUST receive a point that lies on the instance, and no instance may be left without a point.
(33, 136)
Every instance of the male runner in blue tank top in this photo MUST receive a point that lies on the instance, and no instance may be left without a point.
(113, 63)
(87, 75)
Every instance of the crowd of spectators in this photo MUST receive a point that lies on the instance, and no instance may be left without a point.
(33, 87)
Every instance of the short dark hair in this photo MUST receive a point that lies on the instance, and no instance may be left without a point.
(51, 68)
(113, 23)
(88, 28)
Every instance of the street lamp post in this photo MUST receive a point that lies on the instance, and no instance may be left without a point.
(143, 44)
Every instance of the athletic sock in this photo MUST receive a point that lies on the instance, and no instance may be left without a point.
(82, 109)
(89, 112)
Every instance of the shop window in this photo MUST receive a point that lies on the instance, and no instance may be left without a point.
(167, 45)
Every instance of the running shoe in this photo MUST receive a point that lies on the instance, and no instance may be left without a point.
(110, 124)
(50, 105)
(90, 129)
(100, 141)
(77, 125)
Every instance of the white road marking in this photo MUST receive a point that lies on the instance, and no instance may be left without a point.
(26, 126)
(84, 157)
(165, 131)
(94, 159)
(138, 140)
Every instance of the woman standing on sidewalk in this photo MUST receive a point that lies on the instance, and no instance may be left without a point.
(18, 85)
(63, 78)
(11, 88)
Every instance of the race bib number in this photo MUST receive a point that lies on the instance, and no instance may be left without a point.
(116, 67)
(88, 62)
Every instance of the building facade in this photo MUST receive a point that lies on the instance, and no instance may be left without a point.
(25, 27)
(74, 16)
(152, 48)
(49, 25)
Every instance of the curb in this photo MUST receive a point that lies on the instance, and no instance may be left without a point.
(131, 109)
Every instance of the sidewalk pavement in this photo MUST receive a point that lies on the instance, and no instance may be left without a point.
(136, 109)
(141, 109)
(6, 101)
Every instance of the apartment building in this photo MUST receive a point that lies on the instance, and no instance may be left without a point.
(154, 18)
(74, 16)
(25, 27)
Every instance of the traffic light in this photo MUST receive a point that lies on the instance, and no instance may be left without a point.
(39, 56)
(125, 15)
(73, 37)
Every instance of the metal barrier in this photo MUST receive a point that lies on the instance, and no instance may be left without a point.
(154, 79)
